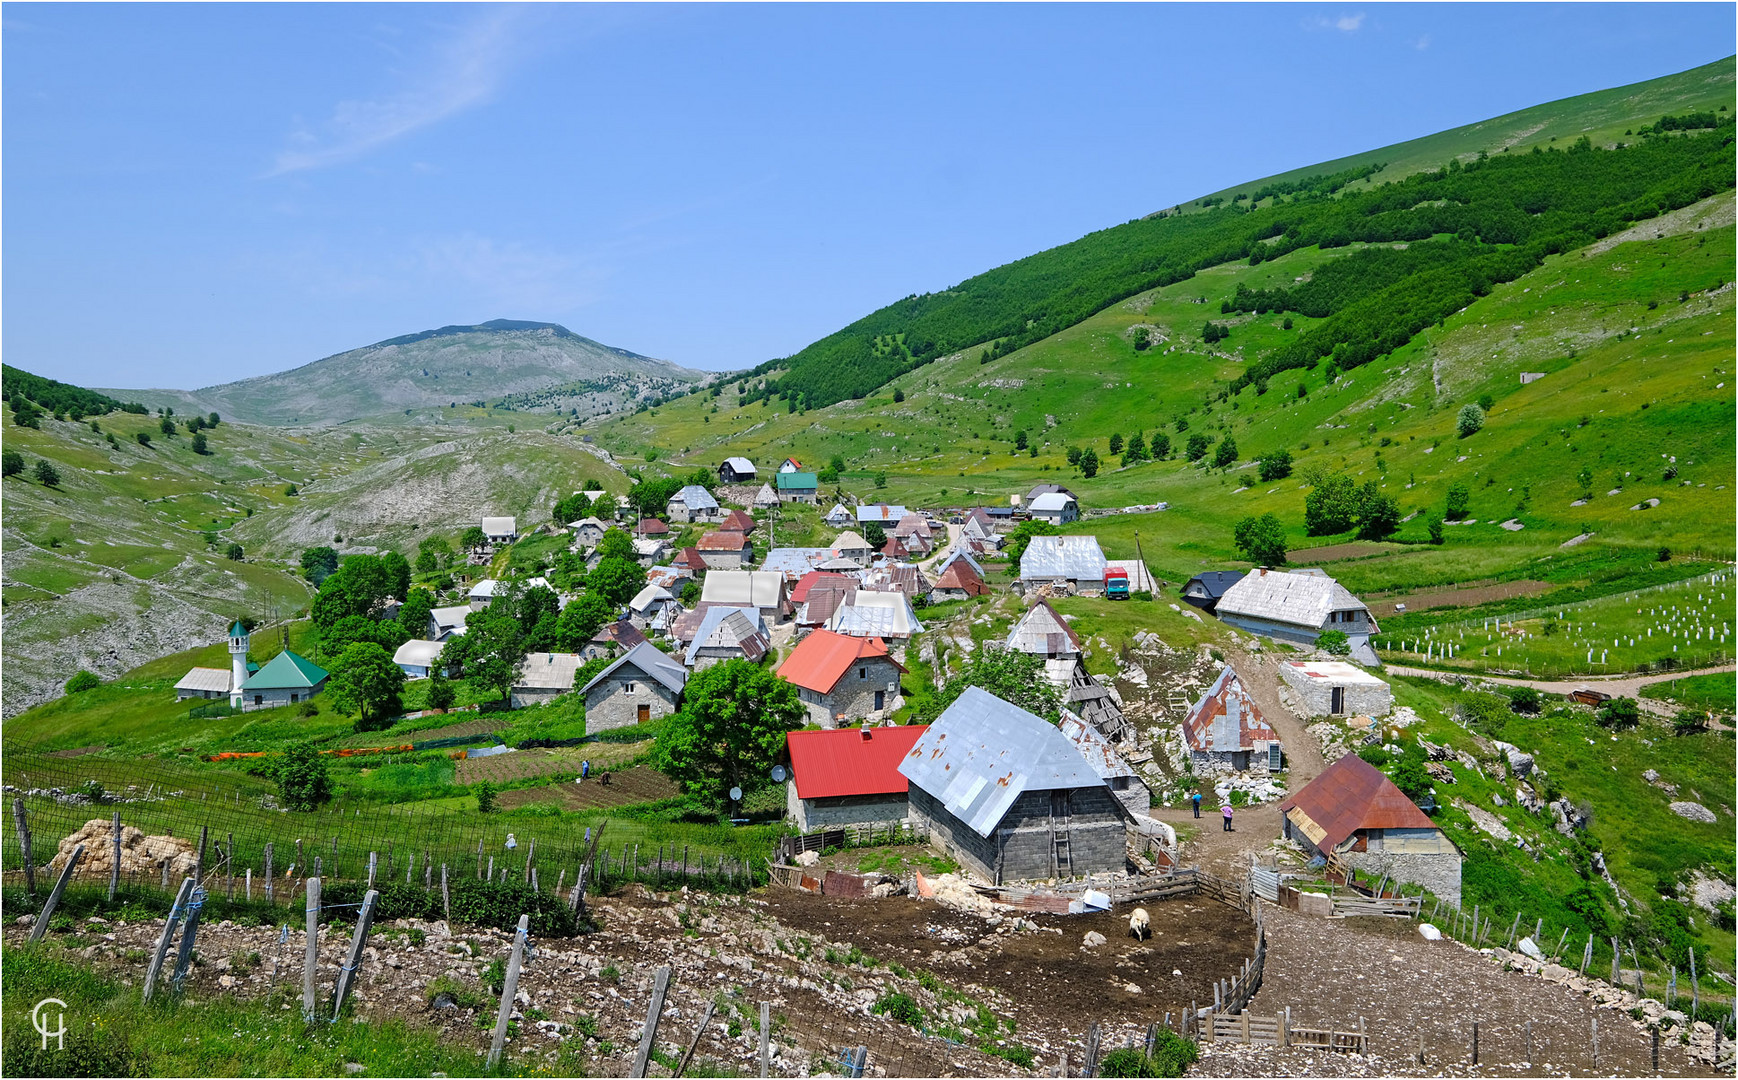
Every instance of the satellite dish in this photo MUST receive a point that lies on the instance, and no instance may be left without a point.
(778, 773)
(735, 794)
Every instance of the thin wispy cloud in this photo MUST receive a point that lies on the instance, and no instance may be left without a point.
(463, 71)
(1422, 43)
(1348, 24)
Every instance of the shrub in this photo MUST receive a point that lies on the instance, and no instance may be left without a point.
(81, 682)
(485, 793)
(1276, 466)
(1334, 643)
(303, 783)
(1664, 554)
(1459, 501)
(144, 438)
(1470, 420)
(1172, 1055)
(900, 1007)
(11, 463)
(1523, 699)
(47, 475)
(1374, 755)
(1619, 712)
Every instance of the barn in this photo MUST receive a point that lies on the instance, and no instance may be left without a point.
(1008, 796)
(848, 776)
(1354, 813)
(1224, 730)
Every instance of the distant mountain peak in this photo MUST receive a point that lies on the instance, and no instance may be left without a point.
(500, 326)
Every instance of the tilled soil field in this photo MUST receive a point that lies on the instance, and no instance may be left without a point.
(1426, 599)
(636, 785)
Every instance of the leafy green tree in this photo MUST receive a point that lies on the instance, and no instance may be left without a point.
(538, 610)
(397, 574)
(875, 534)
(11, 463)
(491, 651)
(1487, 403)
(1435, 529)
(1089, 463)
(432, 553)
(1020, 439)
(1334, 643)
(1136, 448)
(1459, 501)
(213, 420)
(485, 793)
(898, 395)
(413, 615)
(650, 498)
(47, 475)
(1378, 514)
(615, 544)
(1022, 534)
(1470, 420)
(616, 580)
(1015, 677)
(81, 682)
(837, 463)
(303, 782)
(441, 693)
(580, 621)
(729, 731)
(1275, 466)
(1073, 456)
(166, 426)
(351, 629)
(144, 438)
(1331, 506)
(473, 538)
(366, 681)
(360, 585)
(199, 446)
(571, 509)
(234, 552)
(1197, 446)
(1226, 453)
(1261, 540)
(1116, 443)
(1160, 448)
(318, 564)
(1619, 713)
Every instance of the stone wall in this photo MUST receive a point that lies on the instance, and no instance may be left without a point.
(1438, 873)
(274, 699)
(853, 699)
(809, 814)
(610, 705)
(1317, 695)
(1022, 845)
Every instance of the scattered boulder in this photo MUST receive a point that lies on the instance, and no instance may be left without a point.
(1691, 811)
(140, 854)
(1092, 940)
(808, 858)
(1429, 932)
(1528, 799)
(1531, 948)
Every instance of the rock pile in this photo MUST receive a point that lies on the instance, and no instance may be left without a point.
(140, 854)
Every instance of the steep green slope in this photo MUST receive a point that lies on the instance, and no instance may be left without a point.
(1541, 204)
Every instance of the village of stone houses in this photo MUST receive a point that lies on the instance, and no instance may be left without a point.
(947, 794)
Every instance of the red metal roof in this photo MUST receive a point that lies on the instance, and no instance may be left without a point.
(737, 521)
(822, 658)
(1352, 794)
(723, 541)
(800, 591)
(652, 527)
(845, 762)
(960, 575)
(689, 557)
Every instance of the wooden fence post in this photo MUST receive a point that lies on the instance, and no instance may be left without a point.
(530, 850)
(168, 935)
(115, 870)
(347, 975)
(199, 866)
(654, 1010)
(765, 1039)
(1616, 965)
(509, 990)
(1596, 1043)
(1587, 955)
(229, 861)
(373, 864)
(1695, 988)
(189, 933)
(311, 960)
(479, 860)
(1475, 1042)
(688, 1055)
(1090, 1067)
(40, 926)
(23, 822)
(271, 886)
(1513, 927)
(1529, 1030)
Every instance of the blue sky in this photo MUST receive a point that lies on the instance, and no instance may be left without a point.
(199, 193)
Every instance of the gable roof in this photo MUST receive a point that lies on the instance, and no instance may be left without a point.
(286, 671)
(737, 521)
(822, 658)
(737, 628)
(723, 540)
(826, 597)
(1040, 490)
(548, 671)
(875, 614)
(912, 524)
(418, 653)
(766, 496)
(851, 761)
(1295, 598)
(849, 541)
(689, 558)
(621, 632)
(1349, 795)
(500, 526)
(960, 575)
(983, 753)
(1094, 747)
(880, 513)
(800, 591)
(649, 661)
(743, 588)
(795, 481)
(1225, 718)
(648, 596)
(453, 617)
(901, 578)
(1042, 631)
(211, 680)
(838, 513)
(740, 465)
(695, 497)
(957, 553)
(792, 462)
(1052, 501)
(588, 523)
(1212, 583)
(1076, 558)
(652, 527)
(794, 561)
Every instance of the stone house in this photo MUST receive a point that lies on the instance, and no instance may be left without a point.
(418, 658)
(1336, 688)
(850, 545)
(838, 517)
(648, 603)
(725, 550)
(736, 521)
(840, 679)
(612, 639)
(957, 582)
(444, 622)
(587, 532)
(1054, 507)
(797, 486)
(500, 530)
(1297, 606)
(1044, 632)
(1009, 797)
(642, 686)
(543, 677)
(848, 776)
(1224, 730)
(1355, 814)
(728, 633)
(766, 498)
(693, 503)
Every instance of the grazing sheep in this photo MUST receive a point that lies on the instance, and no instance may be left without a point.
(1140, 927)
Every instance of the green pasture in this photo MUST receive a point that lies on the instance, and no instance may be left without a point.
(1707, 693)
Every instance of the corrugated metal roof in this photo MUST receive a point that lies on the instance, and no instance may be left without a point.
(695, 497)
(875, 614)
(766, 496)
(753, 588)
(800, 591)
(880, 513)
(1225, 718)
(621, 632)
(1051, 502)
(1349, 795)
(500, 526)
(960, 575)
(286, 671)
(213, 680)
(824, 598)
(738, 628)
(548, 671)
(838, 515)
(451, 618)
(1294, 598)
(1093, 747)
(1076, 558)
(1334, 671)
(650, 661)
(1041, 632)
(849, 761)
(793, 561)
(740, 465)
(1213, 583)
(957, 553)
(795, 481)
(822, 658)
(737, 521)
(415, 652)
(723, 541)
(982, 753)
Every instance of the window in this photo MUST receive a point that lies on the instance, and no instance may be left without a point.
(294, 698)
(633, 687)
(862, 673)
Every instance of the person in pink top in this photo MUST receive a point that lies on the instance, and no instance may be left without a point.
(1226, 810)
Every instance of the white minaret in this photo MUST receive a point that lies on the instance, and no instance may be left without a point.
(237, 662)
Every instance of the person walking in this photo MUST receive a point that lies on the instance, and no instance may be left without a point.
(1195, 800)
(1226, 810)
(584, 769)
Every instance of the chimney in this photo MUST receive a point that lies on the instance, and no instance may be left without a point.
(865, 730)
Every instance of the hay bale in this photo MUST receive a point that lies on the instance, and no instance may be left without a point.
(140, 854)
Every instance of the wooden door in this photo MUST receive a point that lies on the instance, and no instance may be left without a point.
(645, 713)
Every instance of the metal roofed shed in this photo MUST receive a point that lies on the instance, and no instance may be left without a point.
(1204, 590)
(204, 682)
(1043, 632)
(1118, 774)
(1009, 796)
(728, 633)
(1224, 730)
(1066, 563)
(849, 776)
(1355, 813)
(875, 614)
(417, 658)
